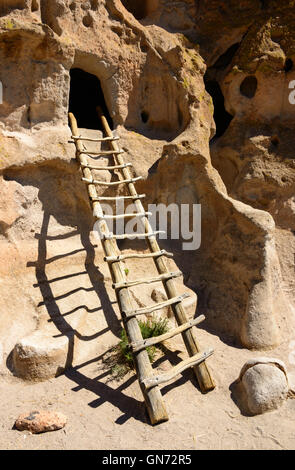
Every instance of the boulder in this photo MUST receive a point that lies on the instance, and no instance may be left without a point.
(263, 385)
(40, 357)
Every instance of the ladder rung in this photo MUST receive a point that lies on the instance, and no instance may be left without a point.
(136, 347)
(158, 306)
(115, 167)
(131, 236)
(124, 216)
(182, 366)
(88, 139)
(102, 152)
(161, 277)
(111, 259)
(111, 183)
(117, 198)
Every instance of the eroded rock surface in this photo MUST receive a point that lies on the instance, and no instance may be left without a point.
(154, 62)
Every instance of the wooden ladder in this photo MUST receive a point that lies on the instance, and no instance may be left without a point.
(149, 382)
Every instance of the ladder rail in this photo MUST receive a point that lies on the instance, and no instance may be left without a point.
(149, 382)
(153, 397)
(201, 370)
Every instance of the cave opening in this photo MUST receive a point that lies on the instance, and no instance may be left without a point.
(144, 116)
(35, 6)
(140, 9)
(226, 58)
(221, 117)
(288, 65)
(85, 96)
(248, 86)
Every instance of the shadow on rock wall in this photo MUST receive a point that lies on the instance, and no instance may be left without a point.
(65, 206)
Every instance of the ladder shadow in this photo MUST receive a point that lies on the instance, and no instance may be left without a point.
(174, 359)
(129, 406)
(95, 276)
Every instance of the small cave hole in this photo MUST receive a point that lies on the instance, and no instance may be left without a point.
(288, 65)
(35, 6)
(140, 9)
(94, 4)
(248, 86)
(221, 117)
(144, 47)
(275, 140)
(87, 21)
(85, 95)
(144, 116)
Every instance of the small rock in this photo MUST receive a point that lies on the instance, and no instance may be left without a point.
(41, 421)
(159, 296)
(263, 385)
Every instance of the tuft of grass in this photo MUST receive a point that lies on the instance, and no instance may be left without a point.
(154, 327)
(149, 329)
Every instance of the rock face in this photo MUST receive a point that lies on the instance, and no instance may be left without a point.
(264, 385)
(156, 64)
(41, 421)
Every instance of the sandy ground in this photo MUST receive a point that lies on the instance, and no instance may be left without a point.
(107, 414)
(104, 413)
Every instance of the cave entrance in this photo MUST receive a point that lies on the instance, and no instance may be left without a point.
(140, 9)
(221, 117)
(85, 95)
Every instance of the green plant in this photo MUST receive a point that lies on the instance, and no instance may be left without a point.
(154, 327)
(149, 329)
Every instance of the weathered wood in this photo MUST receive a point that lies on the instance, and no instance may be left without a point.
(117, 198)
(88, 139)
(158, 306)
(153, 398)
(170, 334)
(147, 280)
(132, 236)
(124, 216)
(202, 371)
(114, 167)
(181, 367)
(110, 183)
(111, 259)
(105, 153)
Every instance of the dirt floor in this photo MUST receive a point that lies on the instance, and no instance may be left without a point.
(104, 413)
